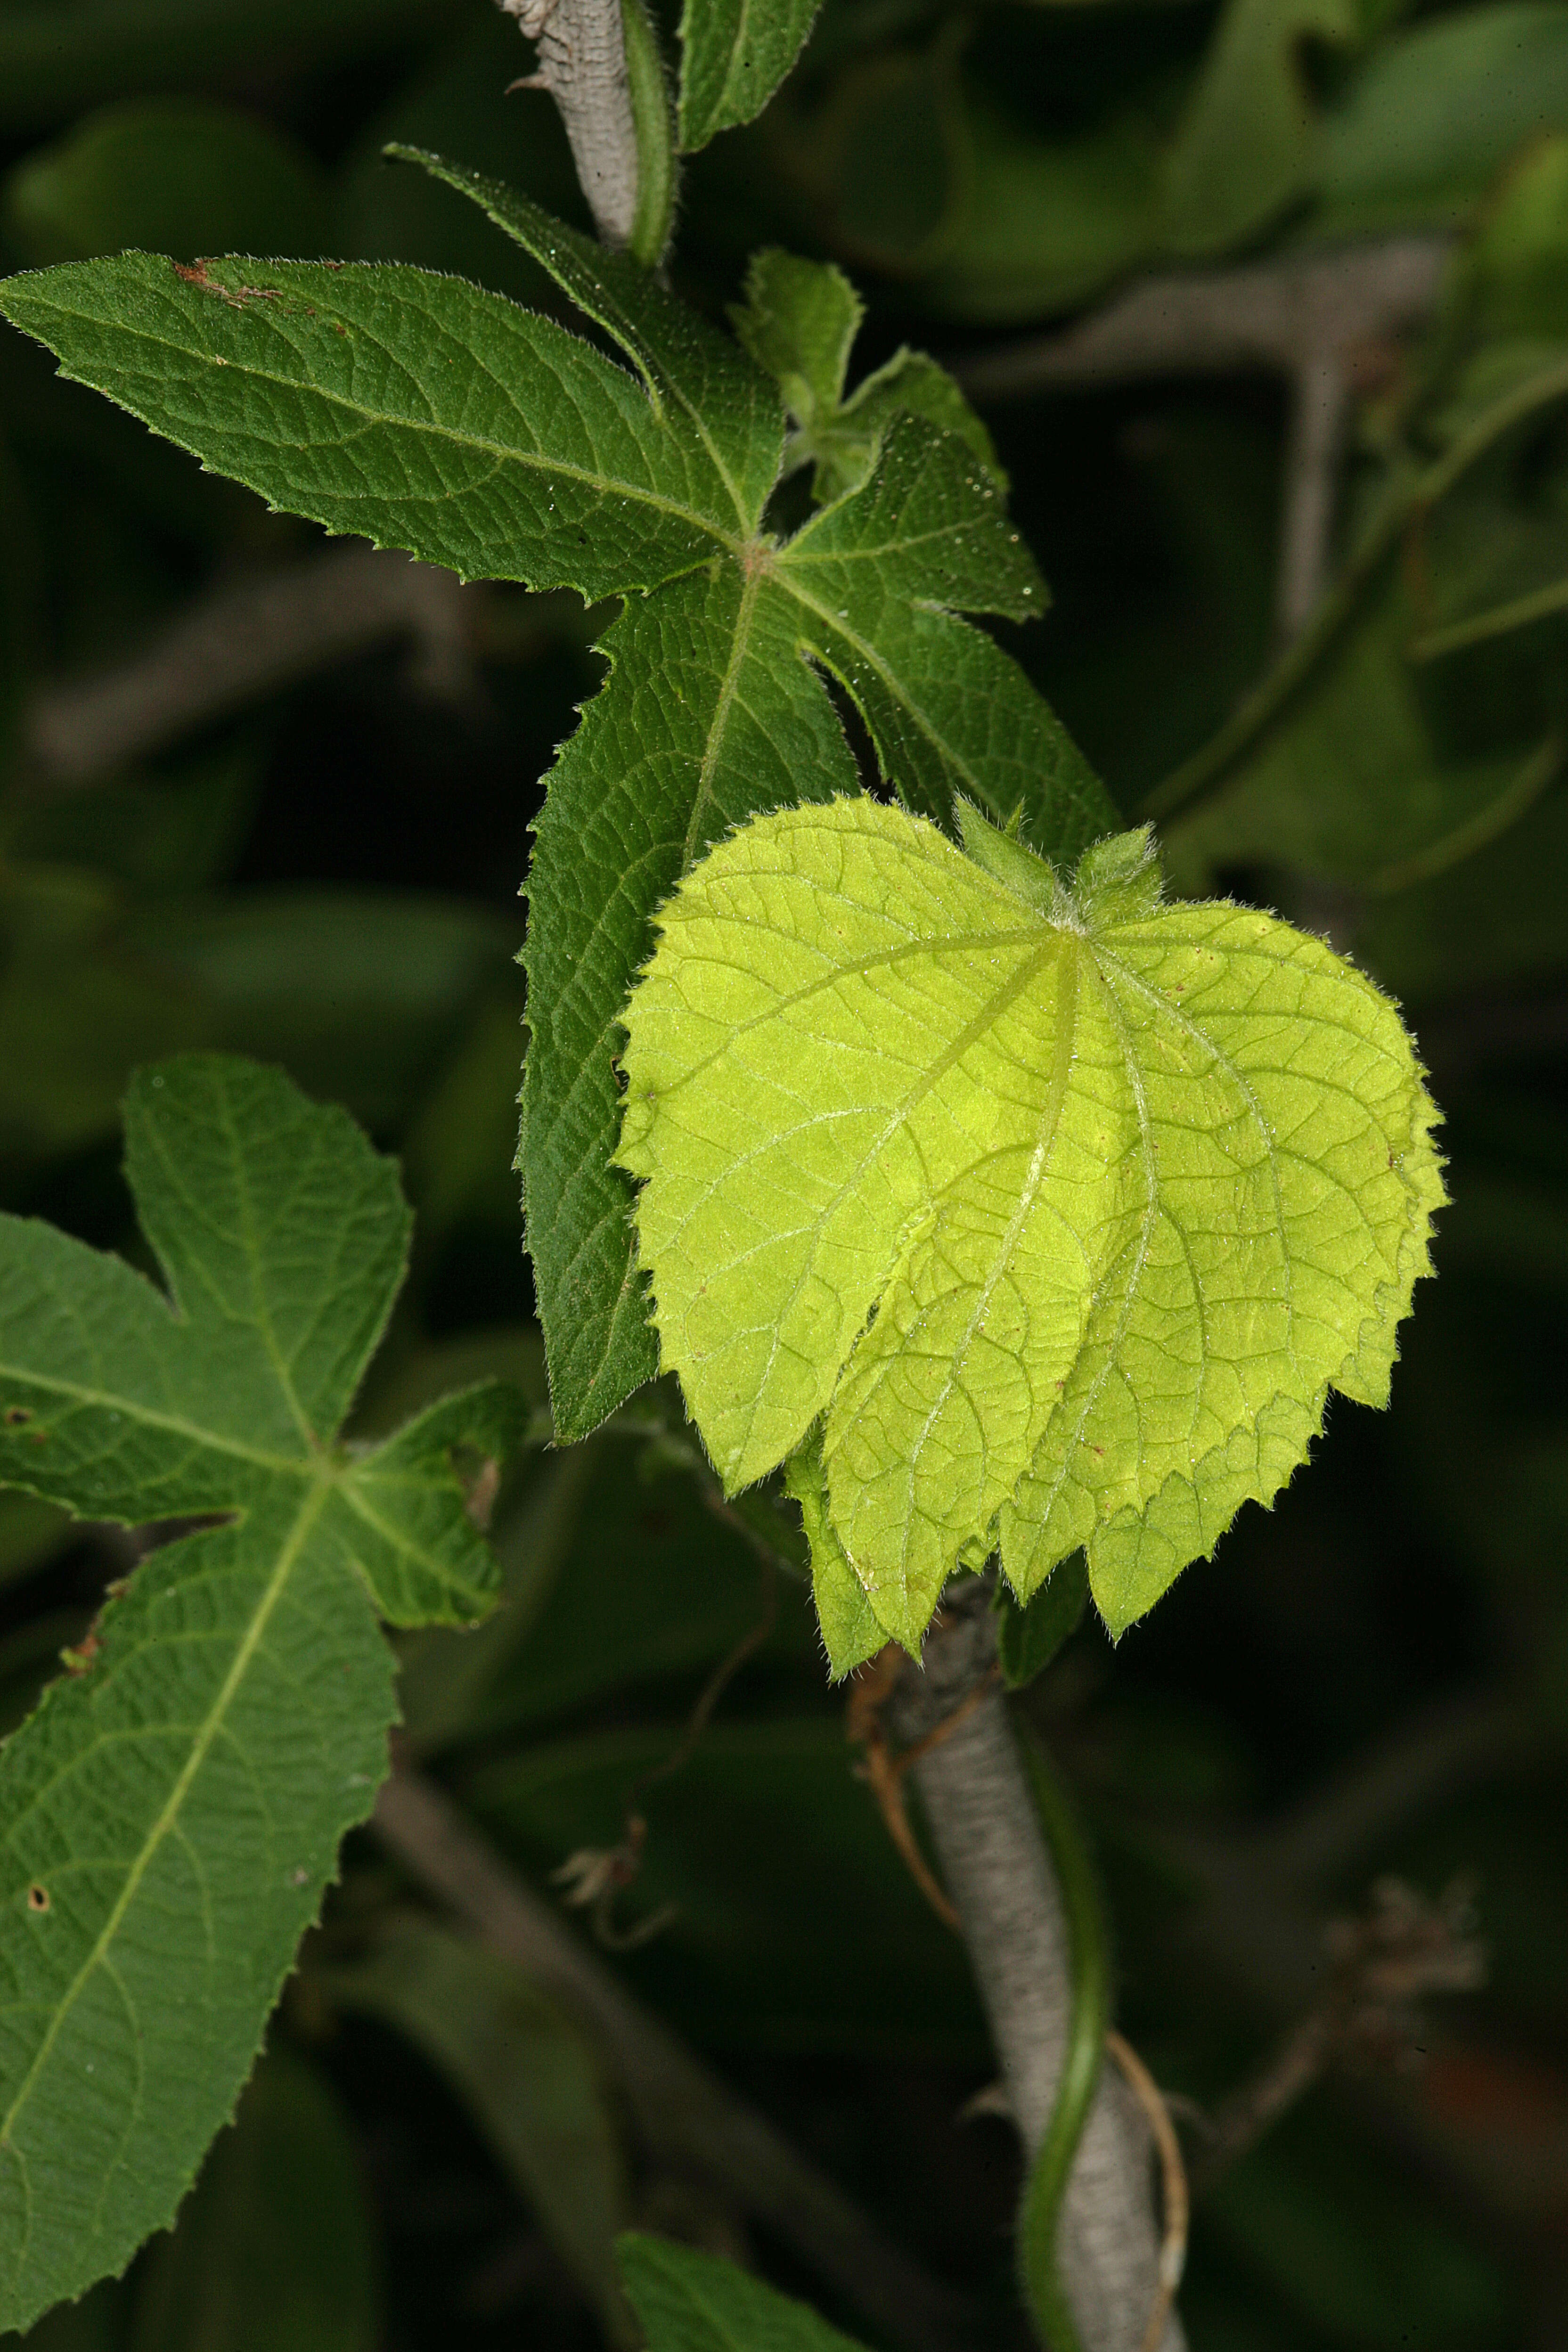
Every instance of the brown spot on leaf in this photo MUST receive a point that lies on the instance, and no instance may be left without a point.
(197, 274)
(37, 1897)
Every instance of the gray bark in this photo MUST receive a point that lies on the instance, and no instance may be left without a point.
(583, 64)
(1000, 1877)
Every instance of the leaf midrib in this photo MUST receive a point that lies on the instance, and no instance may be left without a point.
(288, 1557)
(930, 1077)
(957, 942)
(1046, 1139)
(739, 645)
(838, 625)
(605, 484)
(210, 1441)
(1107, 962)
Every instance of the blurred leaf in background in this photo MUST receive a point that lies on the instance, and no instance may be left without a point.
(172, 176)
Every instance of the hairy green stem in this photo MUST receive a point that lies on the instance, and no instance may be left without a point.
(1044, 2188)
(653, 121)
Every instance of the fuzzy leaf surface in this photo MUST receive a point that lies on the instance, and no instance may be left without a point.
(173, 1808)
(1061, 1210)
(799, 321)
(433, 417)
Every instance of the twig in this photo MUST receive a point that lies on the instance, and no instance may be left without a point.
(998, 1873)
(679, 2105)
(1319, 404)
(245, 639)
(1276, 315)
(873, 1686)
(583, 64)
(1382, 1965)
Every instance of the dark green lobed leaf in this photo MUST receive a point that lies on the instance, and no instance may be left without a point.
(172, 1808)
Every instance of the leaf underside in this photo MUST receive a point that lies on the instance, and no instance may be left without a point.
(427, 414)
(1059, 1213)
(172, 1810)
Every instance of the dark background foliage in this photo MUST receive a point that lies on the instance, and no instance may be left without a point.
(318, 863)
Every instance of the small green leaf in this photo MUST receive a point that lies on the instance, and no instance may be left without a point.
(1029, 1635)
(1066, 1210)
(173, 1808)
(733, 58)
(690, 2302)
(799, 321)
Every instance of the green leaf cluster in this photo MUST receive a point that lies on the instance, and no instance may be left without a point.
(426, 414)
(1060, 1208)
(732, 60)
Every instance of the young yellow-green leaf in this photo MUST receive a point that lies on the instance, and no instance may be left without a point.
(172, 1810)
(1065, 1207)
(690, 2302)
